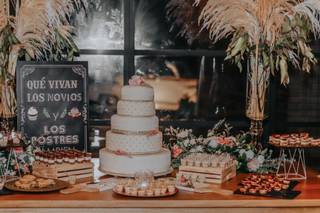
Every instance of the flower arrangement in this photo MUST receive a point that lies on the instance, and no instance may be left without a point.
(249, 157)
(267, 34)
(270, 34)
(25, 157)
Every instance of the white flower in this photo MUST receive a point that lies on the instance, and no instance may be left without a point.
(186, 142)
(183, 134)
(233, 139)
(249, 154)
(242, 151)
(193, 141)
(197, 149)
(261, 159)
(253, 165)
(213, 142)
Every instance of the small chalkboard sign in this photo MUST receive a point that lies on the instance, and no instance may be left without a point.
(53, 103)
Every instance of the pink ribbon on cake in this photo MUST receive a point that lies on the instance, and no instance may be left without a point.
(122, 153)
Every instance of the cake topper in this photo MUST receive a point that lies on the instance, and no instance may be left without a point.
(136, 80)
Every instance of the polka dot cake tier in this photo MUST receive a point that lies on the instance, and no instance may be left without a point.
(134, 143)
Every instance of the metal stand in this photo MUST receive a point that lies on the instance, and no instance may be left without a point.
(292, 164)
(12, 154)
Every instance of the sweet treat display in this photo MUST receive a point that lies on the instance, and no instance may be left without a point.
(134, 143)
(155, 188)
(266, 185)
(206, 168)
(71, 156)
(223, 160)
(30, 181)
(294, 140)
(72, 165)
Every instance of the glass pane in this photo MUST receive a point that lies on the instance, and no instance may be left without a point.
(105, 81)
(300, 101)
(101, 26)
(155, 29)
(178, 93)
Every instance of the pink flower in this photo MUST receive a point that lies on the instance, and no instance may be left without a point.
(253, 165)
(226, 141)
(136, 81)
(176, 151)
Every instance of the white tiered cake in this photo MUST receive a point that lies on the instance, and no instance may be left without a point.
(134, 143)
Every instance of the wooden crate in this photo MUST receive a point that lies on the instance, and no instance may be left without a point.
(83, 172)
(208, 175)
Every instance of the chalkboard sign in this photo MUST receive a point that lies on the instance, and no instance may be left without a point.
(53, 103)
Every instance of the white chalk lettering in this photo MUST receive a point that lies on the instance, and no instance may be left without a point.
(36, 84)
(63, 84)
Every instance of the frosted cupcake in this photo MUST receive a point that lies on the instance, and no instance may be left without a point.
(32, 114)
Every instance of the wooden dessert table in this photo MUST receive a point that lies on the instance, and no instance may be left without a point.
(307, 201)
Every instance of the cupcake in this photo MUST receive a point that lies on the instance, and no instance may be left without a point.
(263, 191)
(134, 191)
(127, 190)
(171, 189)
(149, 192)
(32, 114)
(206, 164)
(157, 191)
(141, 192)
(164, 190)
(184, 162)
(119, 188)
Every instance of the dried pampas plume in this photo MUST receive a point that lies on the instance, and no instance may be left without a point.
(31, 32)
(278, 29)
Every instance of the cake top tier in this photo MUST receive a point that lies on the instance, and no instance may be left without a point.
(137, 90)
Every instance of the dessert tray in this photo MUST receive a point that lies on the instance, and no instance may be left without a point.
(33, 184)
(146, 187)
(294, 140)
(167, 194)
(207, 168)
(160, 174)
(268, 186)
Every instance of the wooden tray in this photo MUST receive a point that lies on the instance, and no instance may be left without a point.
(209, 175)
(145, 196)
(58, 186)
(83, 172)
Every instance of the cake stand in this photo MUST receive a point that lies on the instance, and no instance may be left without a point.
(292, 164)
(12, 156)
(159, 174)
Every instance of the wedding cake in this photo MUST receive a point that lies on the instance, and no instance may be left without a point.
(134, 143)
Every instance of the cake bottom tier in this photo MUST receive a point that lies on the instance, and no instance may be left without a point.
(127, 166)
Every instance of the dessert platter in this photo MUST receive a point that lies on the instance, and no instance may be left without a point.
(294, 140)
(64, 165)
(268, 186)
(207, 168)
(162, 187)
(134, 143)
(31, 183)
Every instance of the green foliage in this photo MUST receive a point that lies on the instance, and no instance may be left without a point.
(249, 157)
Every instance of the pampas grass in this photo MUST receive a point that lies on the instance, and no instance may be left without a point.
(31, 33)
(270, 34)
(279, 29)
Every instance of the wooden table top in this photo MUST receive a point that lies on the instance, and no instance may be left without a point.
(310, 197)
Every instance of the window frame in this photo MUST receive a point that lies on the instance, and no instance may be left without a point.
(129, 52)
